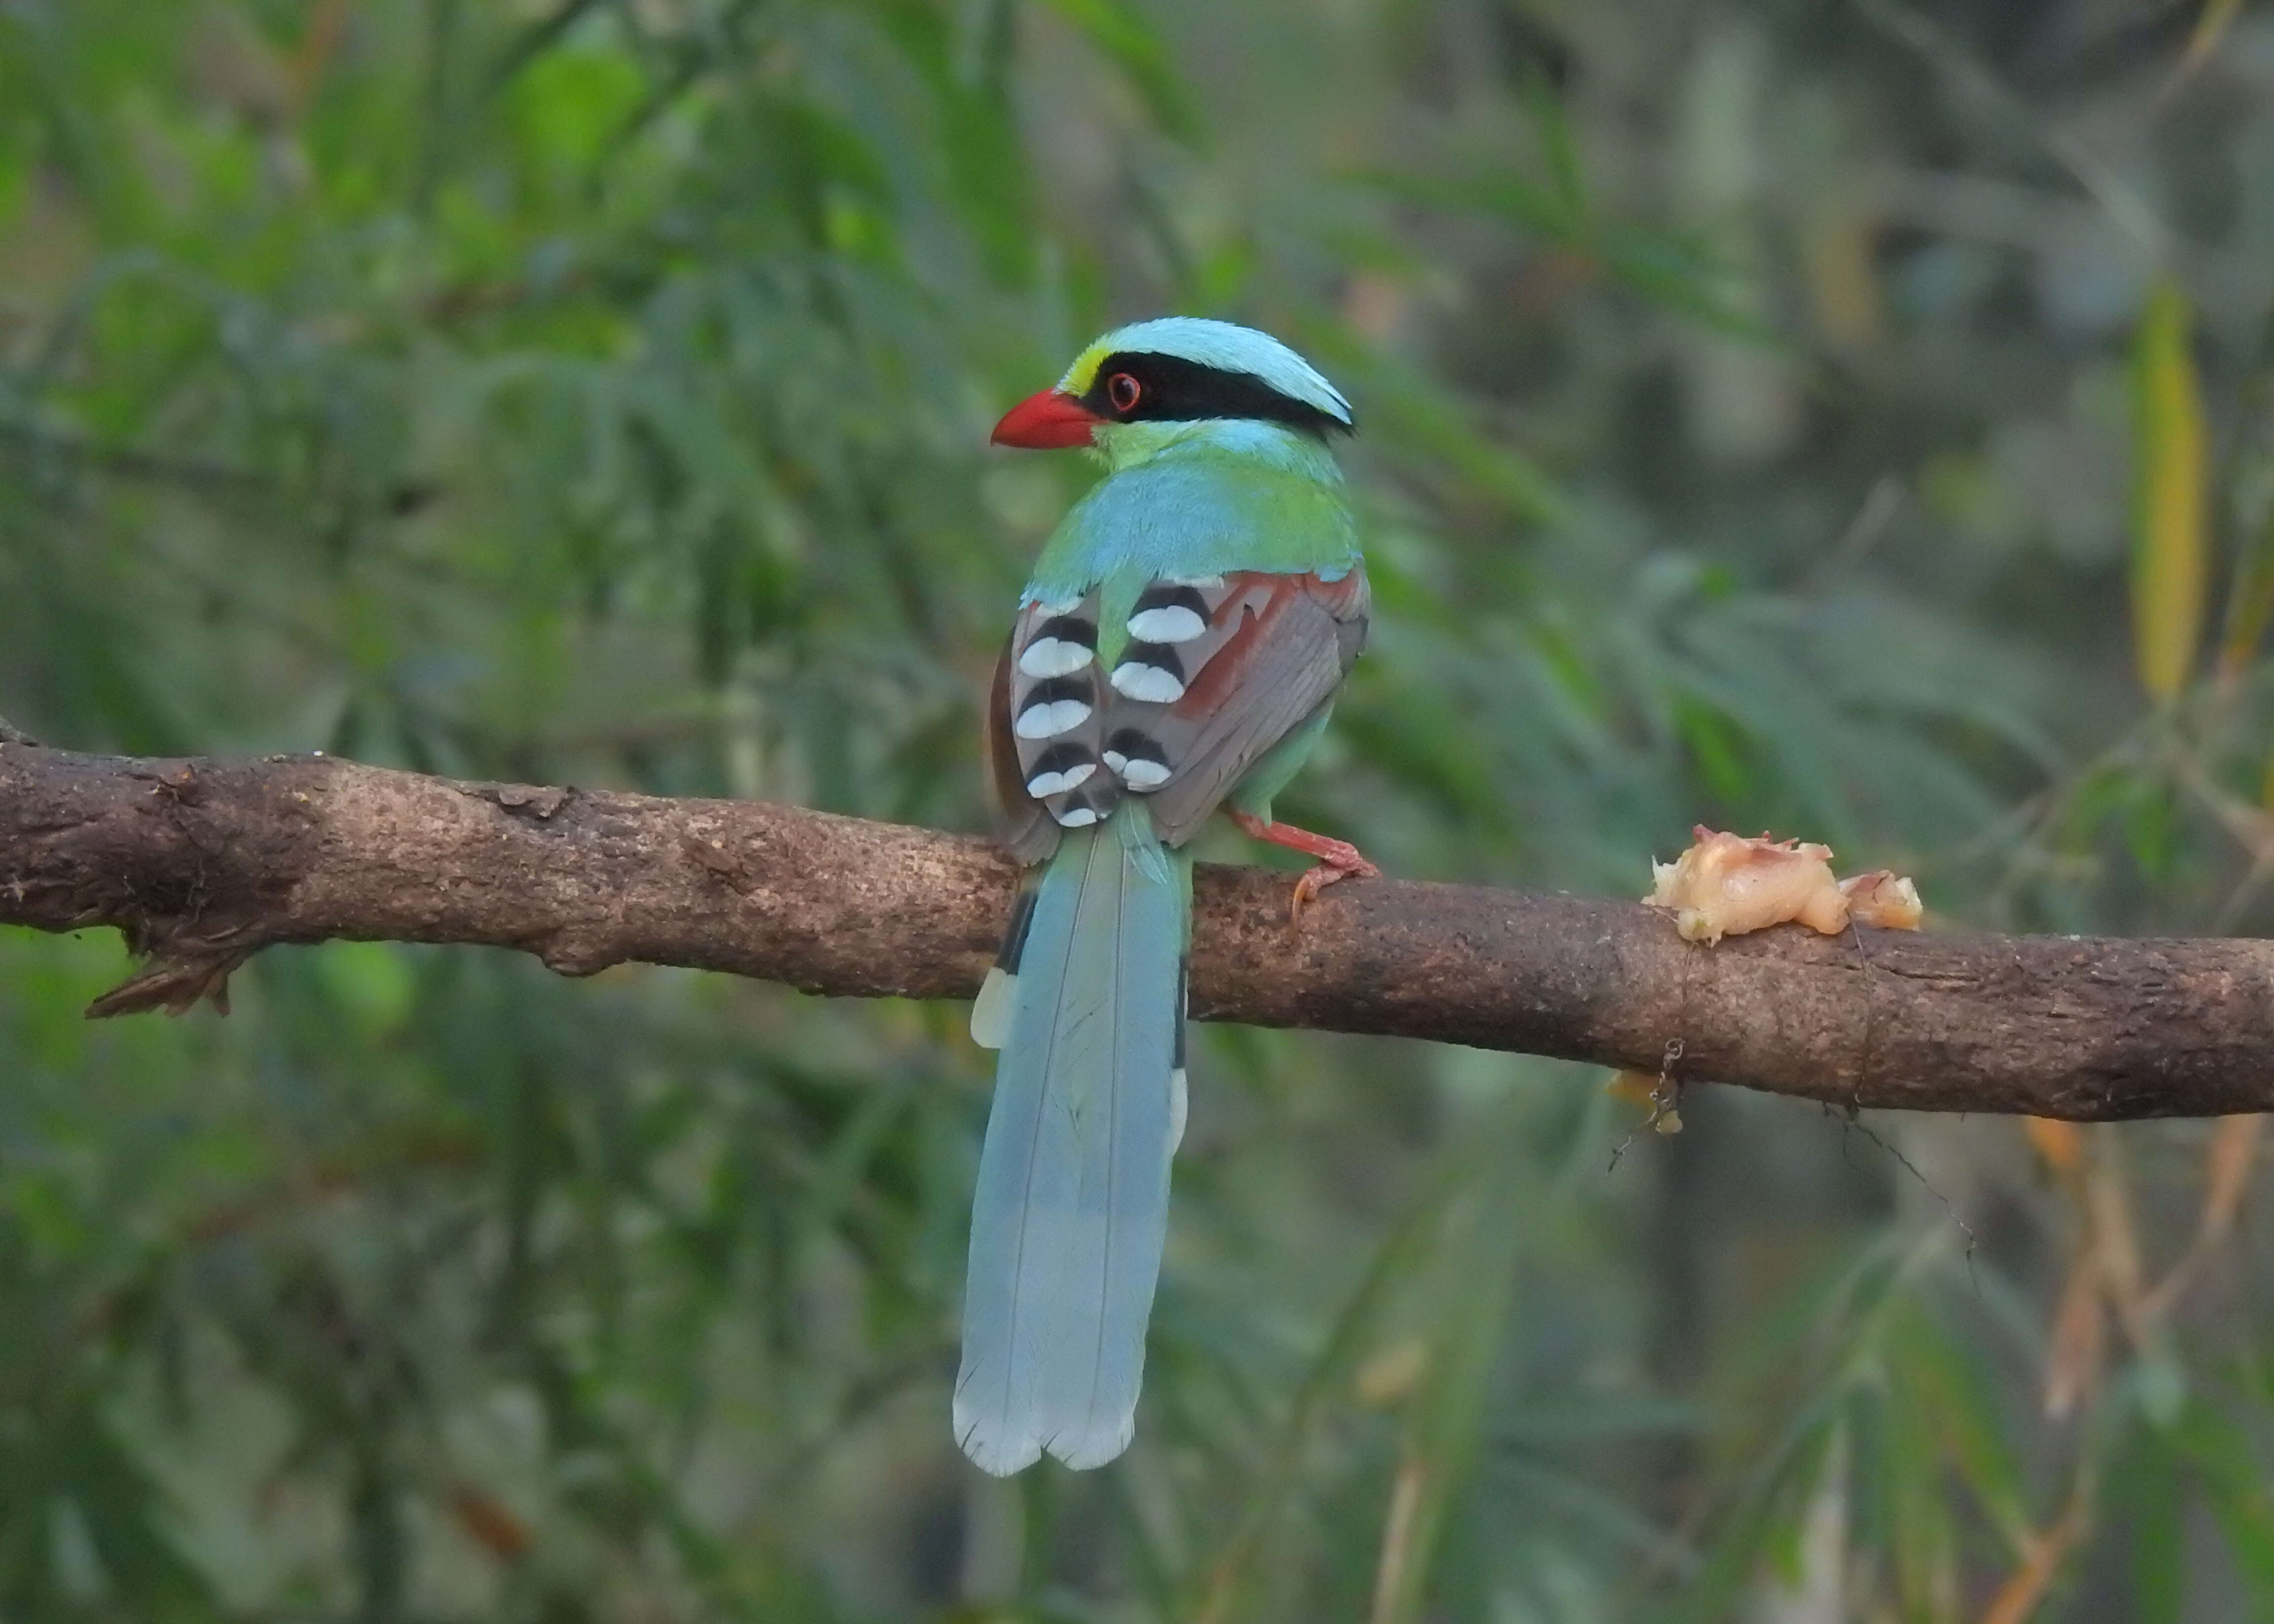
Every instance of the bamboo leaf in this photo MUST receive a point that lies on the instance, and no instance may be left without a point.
(2170, 554)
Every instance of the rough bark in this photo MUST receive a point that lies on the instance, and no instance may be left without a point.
(201, 863)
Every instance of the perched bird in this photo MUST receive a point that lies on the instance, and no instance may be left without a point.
(1176, 651)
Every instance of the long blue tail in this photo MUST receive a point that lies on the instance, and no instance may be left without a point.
(1072, 1200)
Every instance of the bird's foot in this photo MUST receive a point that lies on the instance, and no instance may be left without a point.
(1337, 859)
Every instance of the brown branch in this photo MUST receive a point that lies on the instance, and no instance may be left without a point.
(202, 863)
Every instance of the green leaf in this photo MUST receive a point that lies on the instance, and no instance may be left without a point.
(2171, 528)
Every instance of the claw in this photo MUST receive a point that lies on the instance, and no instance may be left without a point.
(1337, 859)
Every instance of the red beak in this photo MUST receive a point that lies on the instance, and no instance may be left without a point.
(1048, 421)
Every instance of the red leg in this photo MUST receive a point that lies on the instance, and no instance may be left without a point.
(1336, 858)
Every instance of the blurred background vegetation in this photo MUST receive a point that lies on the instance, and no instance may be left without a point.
(1844, 417)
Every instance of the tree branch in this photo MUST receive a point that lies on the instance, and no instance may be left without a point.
(202, 863)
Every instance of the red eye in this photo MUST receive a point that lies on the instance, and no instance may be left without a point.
(1124, 391)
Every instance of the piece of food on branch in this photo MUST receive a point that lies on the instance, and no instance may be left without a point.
(1728, 885)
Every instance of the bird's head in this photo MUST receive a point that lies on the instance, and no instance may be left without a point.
(1176, 370)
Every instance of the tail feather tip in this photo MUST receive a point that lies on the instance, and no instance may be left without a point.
(1000, 1450)
(1094, 1445)
(994, 1449)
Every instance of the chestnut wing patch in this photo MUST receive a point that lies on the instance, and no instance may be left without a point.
(1274, 650)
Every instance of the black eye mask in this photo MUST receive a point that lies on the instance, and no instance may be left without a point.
(1172, 389)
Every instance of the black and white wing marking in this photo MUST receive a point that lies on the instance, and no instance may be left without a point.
(1045, 726)
(1215, 670)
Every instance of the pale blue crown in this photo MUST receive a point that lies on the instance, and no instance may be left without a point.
(1218, 345)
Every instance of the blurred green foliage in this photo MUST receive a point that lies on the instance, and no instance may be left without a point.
(597, 390)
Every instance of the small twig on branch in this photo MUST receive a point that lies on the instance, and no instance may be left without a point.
(202, 863)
